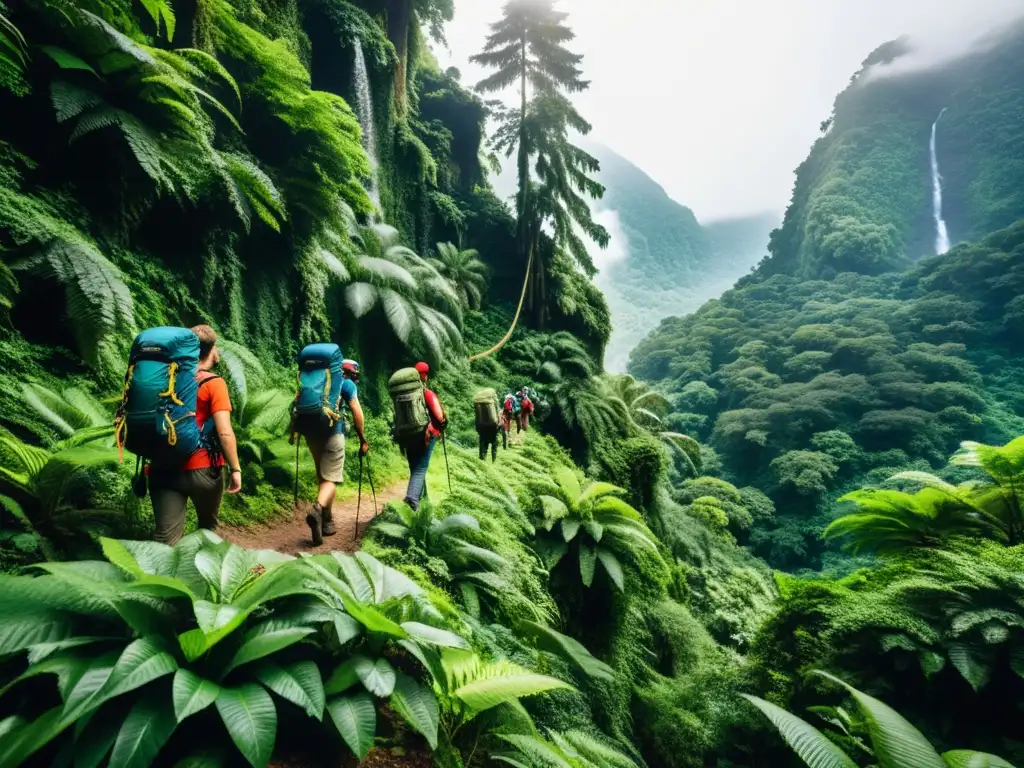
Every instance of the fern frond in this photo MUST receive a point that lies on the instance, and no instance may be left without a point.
(99, 304)
(256, 189)
(71, 100)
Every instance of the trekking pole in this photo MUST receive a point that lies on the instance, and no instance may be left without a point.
(369, 473)
(359, 498)
(295, 503)
(448, 469)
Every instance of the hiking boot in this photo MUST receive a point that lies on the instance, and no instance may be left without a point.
(314, 521)
(327, 526)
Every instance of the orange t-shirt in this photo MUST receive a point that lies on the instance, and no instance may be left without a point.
(212, 397)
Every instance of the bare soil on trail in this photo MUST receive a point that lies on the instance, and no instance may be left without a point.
(292, 536)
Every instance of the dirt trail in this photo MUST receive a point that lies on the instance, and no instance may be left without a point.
(291, 536)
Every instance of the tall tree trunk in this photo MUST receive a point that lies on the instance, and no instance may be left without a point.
(399, 20)
(525, 236)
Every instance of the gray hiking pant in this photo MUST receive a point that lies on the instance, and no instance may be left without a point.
(170, 492)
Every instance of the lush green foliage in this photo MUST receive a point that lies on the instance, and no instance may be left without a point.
(810, 388)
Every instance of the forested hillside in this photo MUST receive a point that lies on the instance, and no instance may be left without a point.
(670, 263)
(863, 197)
(599, 596)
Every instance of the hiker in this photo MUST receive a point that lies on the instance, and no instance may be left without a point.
(419, 422)
(488, 423)
(508, 413)
(171, 371)
(327, 383)
(525, 409)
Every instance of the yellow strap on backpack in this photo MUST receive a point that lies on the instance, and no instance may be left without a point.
(172, 373)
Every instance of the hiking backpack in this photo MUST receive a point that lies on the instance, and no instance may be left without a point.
(317, 401)
(486, 408)
(510, 404)
(157, 416)
(408, 395)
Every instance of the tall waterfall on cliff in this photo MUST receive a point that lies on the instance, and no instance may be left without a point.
(364, 106)
(941, 235)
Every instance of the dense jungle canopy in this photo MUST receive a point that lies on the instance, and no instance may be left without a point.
(802, 501)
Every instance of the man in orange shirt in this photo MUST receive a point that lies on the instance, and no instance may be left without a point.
(202, 477)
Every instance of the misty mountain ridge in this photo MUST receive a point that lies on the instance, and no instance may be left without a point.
(662, 261)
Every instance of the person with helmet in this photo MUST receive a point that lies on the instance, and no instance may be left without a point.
(327, 447)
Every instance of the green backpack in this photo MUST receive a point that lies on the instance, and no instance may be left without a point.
(485, 404)
(407, 393)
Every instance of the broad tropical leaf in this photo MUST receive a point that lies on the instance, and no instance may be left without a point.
(356, 720)
(812, 746)
(418, 707)
(249, 715)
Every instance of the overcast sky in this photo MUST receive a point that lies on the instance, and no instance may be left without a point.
(720, 100)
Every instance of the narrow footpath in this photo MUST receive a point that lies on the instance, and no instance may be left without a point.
(291, 536)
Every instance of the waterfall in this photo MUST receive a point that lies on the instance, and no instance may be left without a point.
(941, 235)
(364, 107)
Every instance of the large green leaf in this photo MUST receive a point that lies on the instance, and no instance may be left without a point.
(482, 695)
(22, 742)
(418, 707)
(569, 649)
(897, 743)
(967, 758)
(192, 693)
(377, 676)
(810, 744)
(570, 527)
(144, 732)
(612, 567)
(356, 720)
(249, 715)
(588, 561)
(265, 639)
(299, 683)
(388, 583)
(142, 662)
(96, 733)
(433, 635)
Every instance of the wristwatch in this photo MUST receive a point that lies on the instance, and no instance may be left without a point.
(236, 469)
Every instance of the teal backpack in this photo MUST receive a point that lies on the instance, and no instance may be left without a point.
(157, 417)
(320, 378)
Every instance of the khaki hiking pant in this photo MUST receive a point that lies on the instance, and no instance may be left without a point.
(170, 492)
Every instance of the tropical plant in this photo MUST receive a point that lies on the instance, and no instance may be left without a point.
(895, 742)
(592, 524)
(889, 522)
(416, 301)
(53, 493)
(477, 695)
(229, 626)
(72, 412)
(640, 405)
(464, 270)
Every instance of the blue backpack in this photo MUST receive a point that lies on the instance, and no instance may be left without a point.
(157, 416)
(317, 402)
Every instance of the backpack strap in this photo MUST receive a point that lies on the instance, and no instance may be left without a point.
(208, 431)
